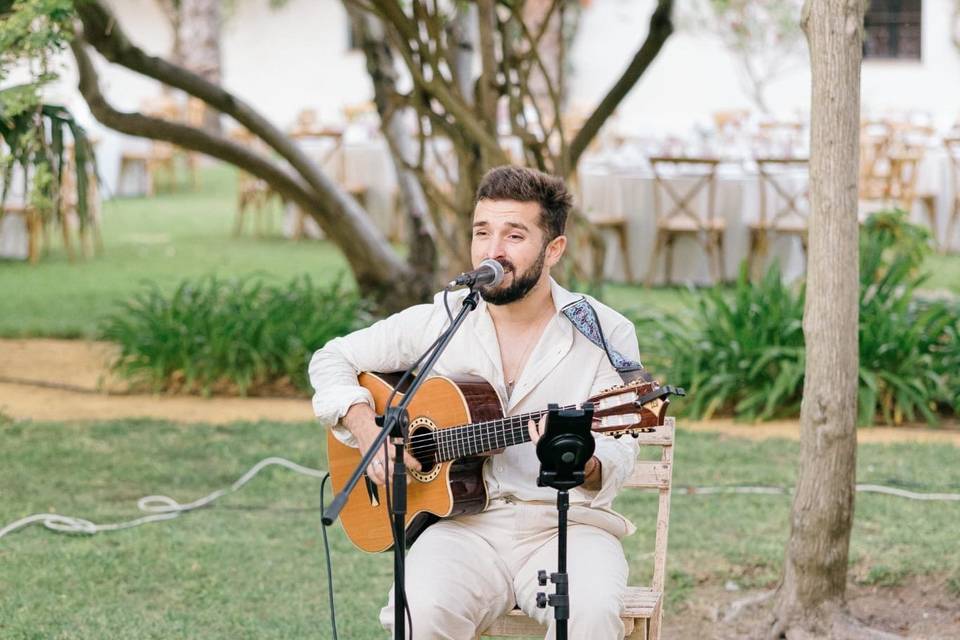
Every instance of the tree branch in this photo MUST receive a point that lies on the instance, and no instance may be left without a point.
(401, 34)
(101, 29)
(487, 85)
(660, 29)
(137, 124)
(371, 264)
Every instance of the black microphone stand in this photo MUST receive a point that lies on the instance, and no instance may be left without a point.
(394, 423)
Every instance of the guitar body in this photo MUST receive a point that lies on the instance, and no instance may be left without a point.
(440, 490)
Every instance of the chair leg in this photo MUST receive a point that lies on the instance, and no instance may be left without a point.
(713, 244)
(622, 233)
(652, 269)
(754, 253)
(67, 242)
(948, 238)
(930, 207)
(654, 629)
(641, 630)
(668, 276)
(721, 267)
(33, 236)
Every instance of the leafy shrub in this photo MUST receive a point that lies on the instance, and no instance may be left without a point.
(225, 335)
(902, 372)
(741, 352)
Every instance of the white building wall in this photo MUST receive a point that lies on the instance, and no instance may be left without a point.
(283, 60)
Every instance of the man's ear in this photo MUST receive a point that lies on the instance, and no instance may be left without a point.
(555, 249)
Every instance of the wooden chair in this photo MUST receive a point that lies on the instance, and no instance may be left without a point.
(162, 157)
(898, 187)
(953, 153)
(34, 225)
(252, 193)
(307, 130)
(875, 138)
(730, 120)
(89, 235)
(642, 605)
(790, 217)
(684, 218)
(617, 223)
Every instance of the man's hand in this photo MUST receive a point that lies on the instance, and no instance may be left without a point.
(592, 470)
(360, 420)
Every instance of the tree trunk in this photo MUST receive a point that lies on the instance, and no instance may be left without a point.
(811, 598)
(380, 66)
(199, 39)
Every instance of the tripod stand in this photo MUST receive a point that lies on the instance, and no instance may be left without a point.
(563, 450)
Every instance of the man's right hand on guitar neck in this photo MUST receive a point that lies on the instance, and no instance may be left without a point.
(360, 420)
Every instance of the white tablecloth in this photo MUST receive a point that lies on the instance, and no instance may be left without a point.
(933, 178)
(628, 191)
(363, 166)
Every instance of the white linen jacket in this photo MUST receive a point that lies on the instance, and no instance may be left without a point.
(564, 368)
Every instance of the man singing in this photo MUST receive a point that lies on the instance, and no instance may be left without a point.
(464, 572)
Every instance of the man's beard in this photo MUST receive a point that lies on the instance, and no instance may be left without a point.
(522, 284)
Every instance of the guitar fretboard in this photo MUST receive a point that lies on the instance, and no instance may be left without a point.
(475, 438)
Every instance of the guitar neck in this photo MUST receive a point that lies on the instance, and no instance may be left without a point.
(483, 437)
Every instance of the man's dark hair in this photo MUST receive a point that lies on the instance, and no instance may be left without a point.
(529, 185)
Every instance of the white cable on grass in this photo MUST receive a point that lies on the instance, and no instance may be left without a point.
(903, 493)
(160, 507)
(166, 508)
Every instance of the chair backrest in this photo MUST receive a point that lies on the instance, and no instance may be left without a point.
(902, 180)
(875, 138)
(683, 180)
(657, 475)
(783, 186)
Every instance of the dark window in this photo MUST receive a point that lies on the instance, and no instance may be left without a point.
(892, 30)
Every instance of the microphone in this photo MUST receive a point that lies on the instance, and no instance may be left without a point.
(490, 272)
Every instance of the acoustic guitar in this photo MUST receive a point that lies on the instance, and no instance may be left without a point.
(454, 425)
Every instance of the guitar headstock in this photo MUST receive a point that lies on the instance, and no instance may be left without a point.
(633, 407)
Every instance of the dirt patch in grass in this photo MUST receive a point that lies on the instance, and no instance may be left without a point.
(45, 379)
(70, 380)
(921, 607)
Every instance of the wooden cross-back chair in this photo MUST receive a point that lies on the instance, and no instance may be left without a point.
(902, 183)
(642, 605)
(331, 159)
(784, 209)
(684, 217)
(253, 193)
(953, 217)
(875, 138)
(89, 235)
(617, 223)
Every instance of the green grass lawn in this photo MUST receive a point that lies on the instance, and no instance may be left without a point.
(162, 239)
(252, 566)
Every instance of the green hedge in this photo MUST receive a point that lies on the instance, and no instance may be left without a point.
(232, 336)
(741, 352)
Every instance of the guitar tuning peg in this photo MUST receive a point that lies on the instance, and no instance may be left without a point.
(635, 435)
(618, 435)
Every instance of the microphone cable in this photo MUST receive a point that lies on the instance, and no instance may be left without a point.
(326, 553)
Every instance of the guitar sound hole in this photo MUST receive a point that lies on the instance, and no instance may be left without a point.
(423, 446)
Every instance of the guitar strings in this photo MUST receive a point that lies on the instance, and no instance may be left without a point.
(465, 432)
(473, 434)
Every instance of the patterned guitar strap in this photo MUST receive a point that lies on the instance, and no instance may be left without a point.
(584, 318)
